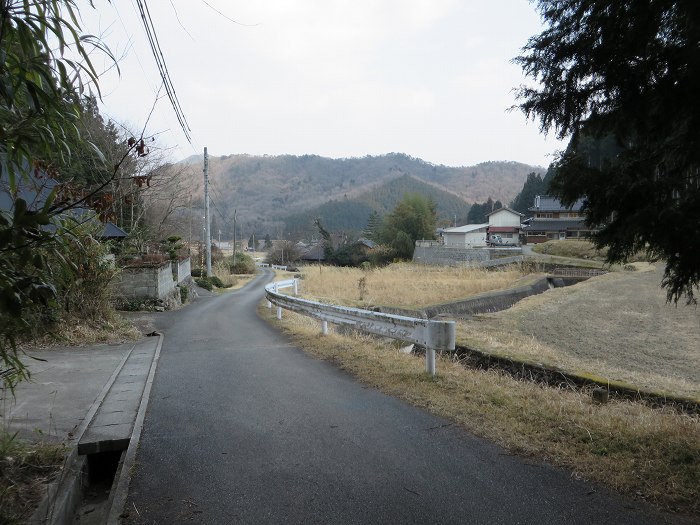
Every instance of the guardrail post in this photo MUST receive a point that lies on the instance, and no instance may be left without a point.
(269, 304)
(296, 287)
(279, 312)
(430, 361)
(324, 327)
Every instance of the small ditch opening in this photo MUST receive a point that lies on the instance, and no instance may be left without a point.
(101, 470)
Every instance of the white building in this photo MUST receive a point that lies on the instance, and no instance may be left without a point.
(468, 236)
(506, 223)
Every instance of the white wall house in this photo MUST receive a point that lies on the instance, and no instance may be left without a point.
(468, 236)
(504, 217)
(505, 223)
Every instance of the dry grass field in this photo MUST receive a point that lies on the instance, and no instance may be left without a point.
(402, 285)
(617, 327)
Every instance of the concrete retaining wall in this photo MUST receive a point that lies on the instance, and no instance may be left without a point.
(446, 256)
(490, 301)
(182, 270)
(479, 304)
(452, 256)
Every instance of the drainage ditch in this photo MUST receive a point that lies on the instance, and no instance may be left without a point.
(99, 474)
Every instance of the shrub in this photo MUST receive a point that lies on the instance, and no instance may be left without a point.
(205, 283)
(244, 264)
(184, 293)
(216, 281)
(197, 272)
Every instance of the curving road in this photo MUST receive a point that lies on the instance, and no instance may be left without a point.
(242, 427)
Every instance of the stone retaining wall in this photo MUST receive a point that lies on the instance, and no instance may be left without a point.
(152, 283)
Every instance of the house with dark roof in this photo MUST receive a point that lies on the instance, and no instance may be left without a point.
(36, 188)
(552, 220)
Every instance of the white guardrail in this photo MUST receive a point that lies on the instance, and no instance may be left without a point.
(434, 335)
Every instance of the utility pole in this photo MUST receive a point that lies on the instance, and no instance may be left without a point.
(234, 238)
(207, 226)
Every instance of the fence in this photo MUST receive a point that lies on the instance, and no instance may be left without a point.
(434, 335)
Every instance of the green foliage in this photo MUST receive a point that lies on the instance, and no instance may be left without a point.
(82, 285)
(197, 272)
(39, 109)
(413, 218)
(173, 246)
(403, 245)
(205, 283)
(216, 281)
(478, 213)
(415, 215)
(374, 225)
(184, 294)
(244, 264)
(208, 283)
(621, 80)
(350, 214)
(26, 288)
(534, 185)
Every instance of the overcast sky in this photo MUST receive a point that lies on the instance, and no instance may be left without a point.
(338, 78)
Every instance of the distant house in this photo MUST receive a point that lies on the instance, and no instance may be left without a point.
(553, 221)
(467, 236)
(506, 223)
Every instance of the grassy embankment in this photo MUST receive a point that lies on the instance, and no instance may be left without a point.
(648, 453)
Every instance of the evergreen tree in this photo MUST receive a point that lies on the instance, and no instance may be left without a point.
(478, 212)
(621, 80)
(534, 185)
(374, 226)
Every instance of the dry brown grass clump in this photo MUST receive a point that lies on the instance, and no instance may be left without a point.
(649, 453)
(73, 330)
(25, 470)
(402, 285)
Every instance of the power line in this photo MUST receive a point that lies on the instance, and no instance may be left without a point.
(227, 17)
(162, 67)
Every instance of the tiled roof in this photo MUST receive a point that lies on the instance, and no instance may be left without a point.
(503, 229)
(547, 203)
(548, 225)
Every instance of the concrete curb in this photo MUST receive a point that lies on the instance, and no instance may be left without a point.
(120, 492)
(64, 495)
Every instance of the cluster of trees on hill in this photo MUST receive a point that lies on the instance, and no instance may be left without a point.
(350, 214)
(395, 234)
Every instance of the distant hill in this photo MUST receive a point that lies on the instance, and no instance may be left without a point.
(351, 214)
(266, 191)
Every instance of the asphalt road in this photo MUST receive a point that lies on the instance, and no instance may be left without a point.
(242, 427)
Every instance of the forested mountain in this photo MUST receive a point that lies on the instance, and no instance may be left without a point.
(265, 190)
(351, 214)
